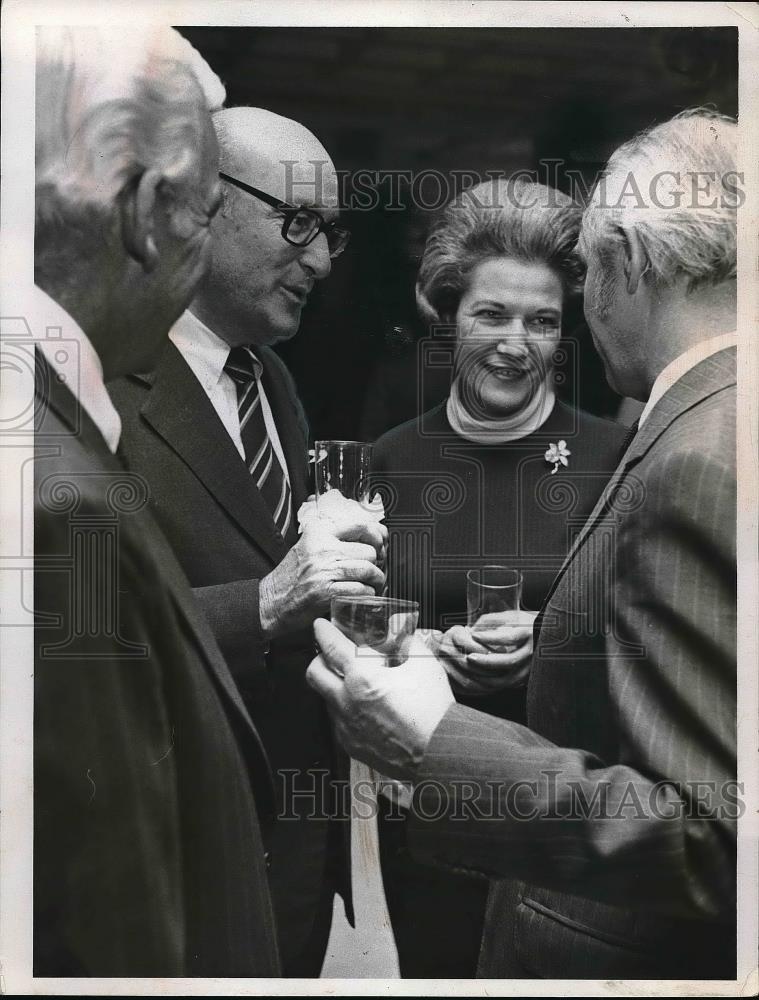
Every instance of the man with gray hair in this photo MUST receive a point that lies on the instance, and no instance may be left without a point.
(609, 825)
(148, 854)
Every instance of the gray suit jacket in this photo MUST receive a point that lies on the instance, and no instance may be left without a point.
(616, 808)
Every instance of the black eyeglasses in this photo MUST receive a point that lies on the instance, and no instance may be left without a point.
(301, 226)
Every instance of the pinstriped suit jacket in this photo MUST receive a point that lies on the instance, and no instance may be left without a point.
(615, 810)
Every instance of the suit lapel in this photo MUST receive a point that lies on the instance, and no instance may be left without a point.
(180, 411)
(709, 376)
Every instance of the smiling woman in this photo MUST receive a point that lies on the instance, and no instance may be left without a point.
(509, 322)
(492, 475)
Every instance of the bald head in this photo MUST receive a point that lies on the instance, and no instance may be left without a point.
(276, 155)
(258, 281)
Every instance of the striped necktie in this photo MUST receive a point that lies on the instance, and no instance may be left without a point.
(244, 368)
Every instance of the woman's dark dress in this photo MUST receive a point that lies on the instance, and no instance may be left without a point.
(453, 505)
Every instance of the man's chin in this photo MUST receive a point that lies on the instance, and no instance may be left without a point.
(598, 344)
(612, 382)
(146, 360)
(147, 353)
(280, 333)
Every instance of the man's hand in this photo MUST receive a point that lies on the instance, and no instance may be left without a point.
(348, 519)
(384, 716)
(493, 654)
(323, 564)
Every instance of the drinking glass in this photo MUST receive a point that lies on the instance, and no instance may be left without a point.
(344, 466)
(383, 623)
(387, 625)
(492, 589)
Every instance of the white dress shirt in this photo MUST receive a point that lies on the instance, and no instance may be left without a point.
(72, 357)
(682, 364)
(206, 354)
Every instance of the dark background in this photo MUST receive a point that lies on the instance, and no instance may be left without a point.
(448, 99)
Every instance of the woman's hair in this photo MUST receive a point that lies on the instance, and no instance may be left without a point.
(517, 219)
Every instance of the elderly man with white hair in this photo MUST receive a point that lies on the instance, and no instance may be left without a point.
(148, 853)
(608, 824)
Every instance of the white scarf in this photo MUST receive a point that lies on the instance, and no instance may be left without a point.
(500, 430)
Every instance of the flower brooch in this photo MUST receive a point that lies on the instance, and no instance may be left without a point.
(558, 454)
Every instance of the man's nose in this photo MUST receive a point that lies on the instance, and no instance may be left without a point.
(316, 257)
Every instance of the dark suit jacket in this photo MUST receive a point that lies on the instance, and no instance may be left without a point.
(632, 696)
(225, 539)
(148, 855)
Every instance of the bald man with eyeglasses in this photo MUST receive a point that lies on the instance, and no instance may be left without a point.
(219, 434)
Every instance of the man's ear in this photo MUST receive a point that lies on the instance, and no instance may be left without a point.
(636, 261)
(139, 200)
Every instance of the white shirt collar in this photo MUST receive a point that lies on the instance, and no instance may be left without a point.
(71, 355)
(203, 350)
(682, 364)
